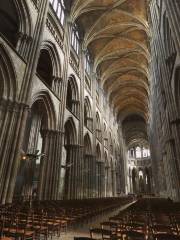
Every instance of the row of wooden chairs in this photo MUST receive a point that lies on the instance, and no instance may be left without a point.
(45, 219)
(140, 223)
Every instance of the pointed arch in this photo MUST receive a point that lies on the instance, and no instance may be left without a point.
(45, 100)
(87, 113)
(15, 20)
(106, 159)
(25, 19)
(70, 144)
(98, 152)
(72, 97)
(98, 122)
(110, 143)
(70, 137)
(98, 126)
(134, 177)
(87, 105)
(49, 65)
(54, 56)
(8, 83)
(87, 144)
(88, 168)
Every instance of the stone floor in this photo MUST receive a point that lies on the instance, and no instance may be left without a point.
(83, 229)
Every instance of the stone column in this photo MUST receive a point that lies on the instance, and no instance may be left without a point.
(130, 181)
(113, 173)
(23, 45)
(13, 117)
(72, 176)
(88, 176)
(94, 178)
(102, 179)
(106, 180)
(50, 166)
(57, 86)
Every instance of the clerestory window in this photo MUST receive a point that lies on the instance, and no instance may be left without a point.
(75, 39)
(59, 8)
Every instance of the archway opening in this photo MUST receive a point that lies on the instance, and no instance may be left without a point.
(45, 68)
(99, 172)
(88, 167)
(106, 175)
(72, 97)
(28, 178)
(69, 99)
(68, 163)
(9, 21)
(98, 126)
(134, 181)
(87, 114)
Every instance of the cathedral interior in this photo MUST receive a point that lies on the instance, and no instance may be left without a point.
(90, 119)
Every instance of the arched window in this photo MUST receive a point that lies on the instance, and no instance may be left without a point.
(110, 143)
(69, 97)
(88, 83)
(9, 21)
(146, 152)
(72, 97)
(87, 113)
(87, 63)
(59, 8)
(138, 152)
(97, 97)
(105, 136)
(75, 39)
(98, 126)
(45, 68)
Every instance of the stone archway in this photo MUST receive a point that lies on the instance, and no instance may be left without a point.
(49, 67)
(72, 97)
(88, 120)
(16, 25)
(88, 173)
(100, 173)
(70, 161)
(11, 113)
(98, 126)
(37, 174)
(107, 174)
(134, 180)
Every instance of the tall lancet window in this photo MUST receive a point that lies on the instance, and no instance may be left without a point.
(75, 40)
(87, 62)
(59, 8)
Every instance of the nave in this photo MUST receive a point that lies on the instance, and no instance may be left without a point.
(89, 119)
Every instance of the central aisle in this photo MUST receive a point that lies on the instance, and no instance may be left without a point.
(82, 230)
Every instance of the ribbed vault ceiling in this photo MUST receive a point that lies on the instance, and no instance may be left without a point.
(135, 132)
(116, 33)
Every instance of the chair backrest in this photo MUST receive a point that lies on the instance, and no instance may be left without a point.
(83, 238)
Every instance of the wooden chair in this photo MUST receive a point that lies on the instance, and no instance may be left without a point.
(99, 233)
(166, 236)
